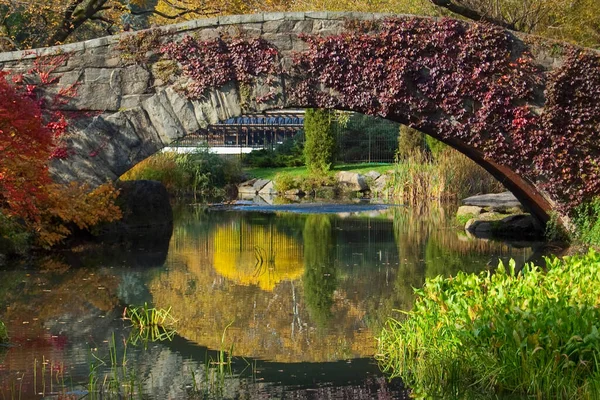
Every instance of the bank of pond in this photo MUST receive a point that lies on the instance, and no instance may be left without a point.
(300, 301)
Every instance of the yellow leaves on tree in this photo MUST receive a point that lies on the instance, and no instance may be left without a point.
(75, 205)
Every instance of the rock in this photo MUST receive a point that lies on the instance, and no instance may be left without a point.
(380, 184)
(294, 192)
(268, 189)
(147, 217)
(493, 200)
(373, 175)
(247, 188)
(468, 210)
(513, 227)
(259, 184)
(352, 181)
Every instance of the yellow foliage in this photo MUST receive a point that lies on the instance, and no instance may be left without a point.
(75, 204)
(258, 256)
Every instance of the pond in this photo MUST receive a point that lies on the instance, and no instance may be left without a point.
(281, 301)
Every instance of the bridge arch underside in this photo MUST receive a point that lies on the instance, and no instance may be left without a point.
(523, 109)
(132, 136)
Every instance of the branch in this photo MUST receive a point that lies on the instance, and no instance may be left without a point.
(175, 16)
(470, 13)
(71, 20)
(11, 42)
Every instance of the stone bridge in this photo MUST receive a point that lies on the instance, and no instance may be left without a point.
(522, 107)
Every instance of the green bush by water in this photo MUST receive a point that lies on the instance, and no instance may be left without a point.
(200, 172)
(530, 333)
(587, 222)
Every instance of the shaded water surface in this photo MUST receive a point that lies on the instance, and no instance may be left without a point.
(296, 298)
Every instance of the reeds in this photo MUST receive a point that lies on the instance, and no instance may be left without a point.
(534, 333)
(450, 175)
(149, 324)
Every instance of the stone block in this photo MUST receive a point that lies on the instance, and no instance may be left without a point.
(163, 118)
(469, 210)
(268, 189)
(352, 181)
(135, 80)
(259, 184)
(275, 16)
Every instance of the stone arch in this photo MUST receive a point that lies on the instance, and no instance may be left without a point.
(523, 108)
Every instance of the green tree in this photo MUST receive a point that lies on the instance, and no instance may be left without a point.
(320, 144)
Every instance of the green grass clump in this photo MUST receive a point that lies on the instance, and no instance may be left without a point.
(150, 324)
(3, 333)
(530, 333)
(301, 172)
(587, 222)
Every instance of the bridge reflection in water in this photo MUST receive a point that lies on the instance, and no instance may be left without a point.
(307, 287)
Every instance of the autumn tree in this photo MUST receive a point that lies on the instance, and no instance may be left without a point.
(27, 193)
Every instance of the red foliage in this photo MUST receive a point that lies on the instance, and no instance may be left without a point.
(468, 82)
(213, 63)
(454, 80)
(25, 146)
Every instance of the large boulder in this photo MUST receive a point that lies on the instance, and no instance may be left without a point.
(247, 188)
(352, 181)
(147, 216)
(468, 211)
(512, 227)
(494, 201)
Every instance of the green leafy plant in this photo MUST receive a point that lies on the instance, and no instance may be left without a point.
(586, 218)
(150, 324)
(3, 333)
(530, 332)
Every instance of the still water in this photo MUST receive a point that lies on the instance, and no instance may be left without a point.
(280, 302)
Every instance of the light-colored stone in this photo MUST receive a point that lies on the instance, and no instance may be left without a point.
(259, 184)
(505, 199)
(268, 189)
(469, 210)
(247, 188)
(373, 175)
(352, 181)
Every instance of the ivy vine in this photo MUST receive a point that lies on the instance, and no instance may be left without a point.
(470, 82)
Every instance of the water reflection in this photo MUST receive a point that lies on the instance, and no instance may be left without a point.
(305, 294)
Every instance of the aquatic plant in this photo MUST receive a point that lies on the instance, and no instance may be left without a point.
(531, 332)
(150, 324)
(111, 378)
(3, 333)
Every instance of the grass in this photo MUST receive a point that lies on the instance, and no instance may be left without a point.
(3, 333)
(532, 333)
(149, 324)
(270, 173)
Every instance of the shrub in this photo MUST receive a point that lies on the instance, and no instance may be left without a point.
(14, 237)
(462, 177)
(200, 172)
(409, 141)
(532, 332)
(450, 175)
(285, 182)
(319, 147)
(587, 222)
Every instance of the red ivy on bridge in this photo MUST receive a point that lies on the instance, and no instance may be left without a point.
(451, 79)
(213, 63)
